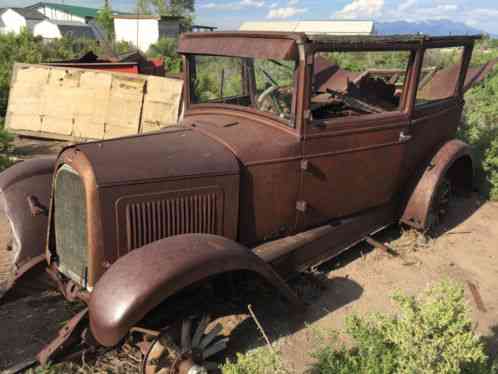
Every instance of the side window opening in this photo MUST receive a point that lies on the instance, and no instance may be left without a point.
(439, 75)
(266, 85)
(358, 83)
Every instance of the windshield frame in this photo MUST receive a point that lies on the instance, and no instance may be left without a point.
(290, 123)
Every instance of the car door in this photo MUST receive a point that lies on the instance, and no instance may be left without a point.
(351, 162)
(350, 169)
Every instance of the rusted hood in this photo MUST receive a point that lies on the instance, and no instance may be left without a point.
(250, 140)
(170, 154)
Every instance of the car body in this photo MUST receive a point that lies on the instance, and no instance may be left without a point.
(268, 180)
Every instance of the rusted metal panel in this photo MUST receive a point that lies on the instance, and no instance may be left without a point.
(23, 233)
(418, 206)
(388, 42)
(170, 154)
(352, 172)
(476, 75)
(331, 76)
(279, 46)
(157, 216)
(111, 185)
(268, 156)
(260, 142)
(114, 200)
(138, 282)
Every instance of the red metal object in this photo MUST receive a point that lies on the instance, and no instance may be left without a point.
(132, 63)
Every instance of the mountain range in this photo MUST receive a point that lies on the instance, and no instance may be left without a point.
(433, 27)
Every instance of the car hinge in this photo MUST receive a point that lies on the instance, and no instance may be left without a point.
(310, 59)
(292, 120)
(305, 165)
(404, 137)
(301, 206)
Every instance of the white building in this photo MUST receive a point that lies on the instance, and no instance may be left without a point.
(15, 19)
(65, 12)
(49, 29)
(143, 30)
(332, 27)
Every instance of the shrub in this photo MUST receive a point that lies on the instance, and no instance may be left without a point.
(5, 146)
(480, 125)
(432, 334)
(166, 47)
(260, 361)
(26, 48)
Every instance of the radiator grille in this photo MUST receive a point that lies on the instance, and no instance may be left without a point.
(70, 224)
(158, 217)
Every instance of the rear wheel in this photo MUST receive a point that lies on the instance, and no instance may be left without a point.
(439, 205)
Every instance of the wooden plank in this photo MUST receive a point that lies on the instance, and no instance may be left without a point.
(74, 104)
(162, 103)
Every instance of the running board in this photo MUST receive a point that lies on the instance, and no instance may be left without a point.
(299, 252)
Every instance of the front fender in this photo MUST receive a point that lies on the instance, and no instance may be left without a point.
(453, 159)
(145, 277)
(24, 197)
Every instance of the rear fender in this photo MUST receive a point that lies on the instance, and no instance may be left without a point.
(454, 160)
(24, 200)
(141, 280)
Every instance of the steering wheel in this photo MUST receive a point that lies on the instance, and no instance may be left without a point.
(270, 93)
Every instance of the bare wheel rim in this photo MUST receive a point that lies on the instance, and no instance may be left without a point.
(189, 354)
(440, 204)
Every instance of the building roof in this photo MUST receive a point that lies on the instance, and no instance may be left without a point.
(75, 29)
(75, 10)
(27, 13)
(147, 16)
(313, 27)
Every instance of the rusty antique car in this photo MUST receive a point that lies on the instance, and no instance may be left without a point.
(283, 160)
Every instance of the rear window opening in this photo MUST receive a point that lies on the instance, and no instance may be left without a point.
(358, 83)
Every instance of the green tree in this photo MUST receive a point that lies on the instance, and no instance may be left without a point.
(182, 8)
(106, 21)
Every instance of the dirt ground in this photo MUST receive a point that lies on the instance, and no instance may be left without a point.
(359, 281)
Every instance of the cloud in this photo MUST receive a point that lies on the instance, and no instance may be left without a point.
(293, 2)
(406, 5)
(361, 9)
(234, 5)
(407, 10)
(286, 12)
(252, 3)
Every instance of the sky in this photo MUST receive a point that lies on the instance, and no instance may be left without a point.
(229, 14)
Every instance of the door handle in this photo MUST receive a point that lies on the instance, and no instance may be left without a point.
(404, 137)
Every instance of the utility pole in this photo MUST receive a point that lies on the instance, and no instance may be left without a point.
(107, 4)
